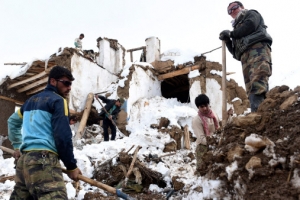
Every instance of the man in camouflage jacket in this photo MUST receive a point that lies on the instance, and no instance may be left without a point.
(250, 43)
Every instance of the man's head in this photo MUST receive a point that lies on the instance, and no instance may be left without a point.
(61, 78)
(120, 102)
(234, 8)
(202, 103)
(81, 36)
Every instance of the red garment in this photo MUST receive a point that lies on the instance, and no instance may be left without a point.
(211, 115)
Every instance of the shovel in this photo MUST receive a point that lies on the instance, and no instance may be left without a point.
(89, 181)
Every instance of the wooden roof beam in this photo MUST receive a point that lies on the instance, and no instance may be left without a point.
(12, 100)
(36, 90)
(185, 70)
(30, 79)
(32, 85)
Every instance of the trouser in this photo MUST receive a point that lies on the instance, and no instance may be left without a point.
(39, 176)
(255, 101)
(257, 68)
(107, 123)
(200, 151)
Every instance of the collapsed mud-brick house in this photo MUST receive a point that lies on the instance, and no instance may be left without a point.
(91, 75)
(107, 73)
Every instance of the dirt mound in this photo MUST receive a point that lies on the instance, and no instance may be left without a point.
(258, 157)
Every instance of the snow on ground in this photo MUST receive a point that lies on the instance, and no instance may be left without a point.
(152, 142)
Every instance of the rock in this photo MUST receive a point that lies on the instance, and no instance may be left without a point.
(191, 156)
(255, 142)
(171, 146)
(273, 93)
(267, 104)
(254, 162)
(237, 151)
(251, 119)
(177, 184)
(164, 122)
(288, 102)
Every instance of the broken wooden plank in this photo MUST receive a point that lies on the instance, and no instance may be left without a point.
(86, 112)
(30, 79)
(36, 90)
(185, 70)
(12, 100)
(32, 85)
(132, 163)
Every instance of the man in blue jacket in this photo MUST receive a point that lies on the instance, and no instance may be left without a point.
(109, 119)
(250, 43)
(46, 137)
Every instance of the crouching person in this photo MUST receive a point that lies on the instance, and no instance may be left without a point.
(204, 125)
(112, 107)
(46, 138)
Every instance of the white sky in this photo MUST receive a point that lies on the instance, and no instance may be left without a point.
(35, 29)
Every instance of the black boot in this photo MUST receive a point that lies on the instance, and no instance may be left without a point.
(255, 101)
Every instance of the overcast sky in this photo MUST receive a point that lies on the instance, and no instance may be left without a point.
(35, 29)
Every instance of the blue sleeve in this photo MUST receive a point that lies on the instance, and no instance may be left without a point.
(62, 133)
(14, 123)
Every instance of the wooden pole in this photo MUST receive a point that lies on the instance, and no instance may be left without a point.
(85, 116)
(131, 57)
(132, 163)
(24, 63)
(224, 103)
(187, 137)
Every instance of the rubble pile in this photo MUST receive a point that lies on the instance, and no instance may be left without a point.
(258, 157)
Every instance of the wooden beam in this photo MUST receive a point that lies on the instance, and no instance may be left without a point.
(12, 100)
(86, 112)
(187, 144)
(36, 90)
(185, 70)
(24, 63)
(30, 79)
(136, 49)
(131, 57)
(32, 85)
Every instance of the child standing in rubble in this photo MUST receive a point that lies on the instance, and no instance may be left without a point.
(204, 125)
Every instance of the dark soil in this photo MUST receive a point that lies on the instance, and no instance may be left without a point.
(283, 128)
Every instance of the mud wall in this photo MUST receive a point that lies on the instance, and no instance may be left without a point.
(143, 84)
(89, 77)
(110, 58)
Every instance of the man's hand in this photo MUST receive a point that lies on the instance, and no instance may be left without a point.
(74, 174)
(225, 35)
(17, 154)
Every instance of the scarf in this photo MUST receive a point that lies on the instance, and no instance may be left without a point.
(210, 115)
(239, 16)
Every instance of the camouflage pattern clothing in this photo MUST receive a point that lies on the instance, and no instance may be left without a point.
(39, 176)
(257, 68)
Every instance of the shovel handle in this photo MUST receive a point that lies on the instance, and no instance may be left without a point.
(87, 180)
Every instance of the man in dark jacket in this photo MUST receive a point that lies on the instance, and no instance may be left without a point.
(46, 137)
(250, 43)
(109, 120)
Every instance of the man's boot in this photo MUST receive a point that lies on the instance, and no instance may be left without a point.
(255, 101)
